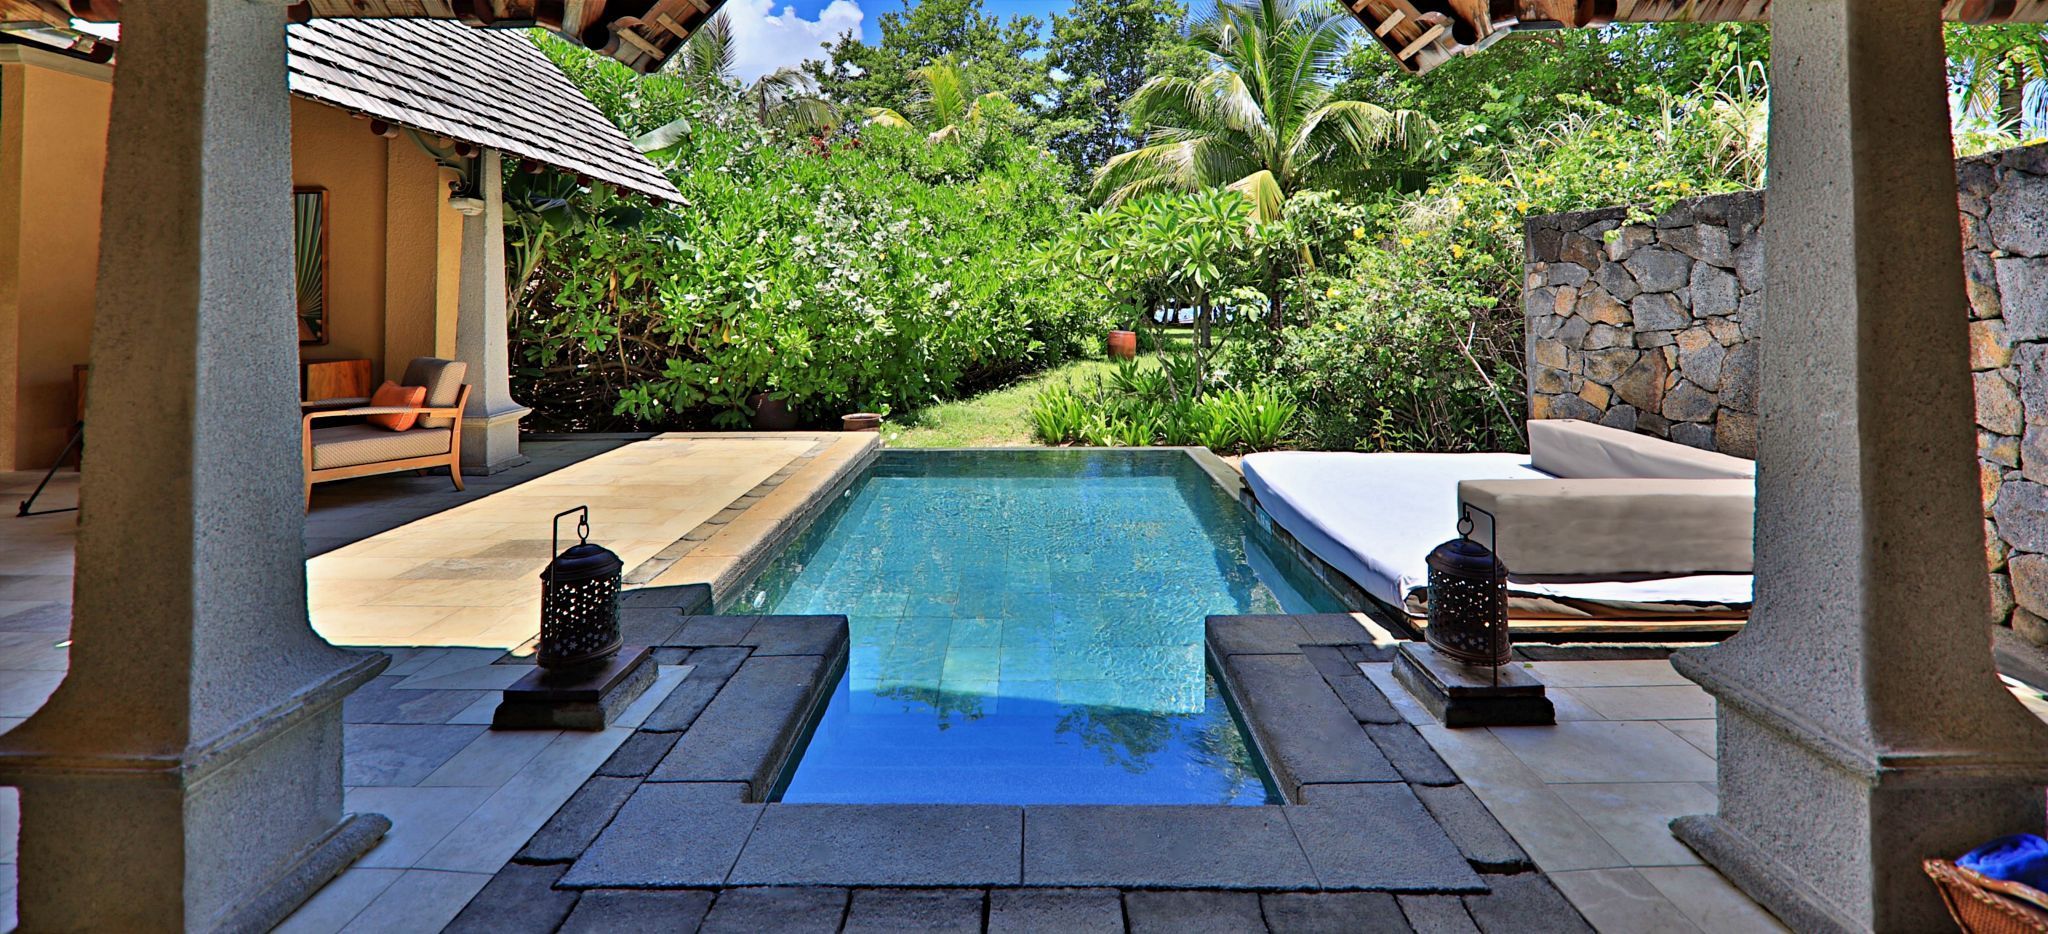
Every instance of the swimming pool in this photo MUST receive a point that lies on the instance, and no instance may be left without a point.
(1026, 628)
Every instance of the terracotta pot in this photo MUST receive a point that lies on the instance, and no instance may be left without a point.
(861, 421)
(1123, 345)
(771, 414)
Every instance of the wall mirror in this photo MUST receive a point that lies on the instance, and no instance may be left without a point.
(309, 262)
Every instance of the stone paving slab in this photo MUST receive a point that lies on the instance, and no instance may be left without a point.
(782, 910)
(746, 730)
(1437, 914)
(898, 844)
(1378, 836)
(890, 911)
(1307, 733)
(1193, 912)
(1410, 753)
(668, 835)
(518, 900)
(1349, 912)
(1055, 911)
(712, 667)
(1526, 903)
(572, 828)
(1150, 846)
(1255, 635)
(1485, 843)
(615, 911)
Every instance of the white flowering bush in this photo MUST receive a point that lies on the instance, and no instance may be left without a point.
(864, 272)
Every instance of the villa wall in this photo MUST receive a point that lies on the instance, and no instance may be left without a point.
(1655, 327)
(394, 246)
(53, 128)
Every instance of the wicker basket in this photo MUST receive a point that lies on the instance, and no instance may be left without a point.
(1988, 906)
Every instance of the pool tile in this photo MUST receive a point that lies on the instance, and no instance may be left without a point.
(1011, 626)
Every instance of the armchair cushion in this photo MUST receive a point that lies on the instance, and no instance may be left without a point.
(443, 379)
(350, 445)
(392, 394)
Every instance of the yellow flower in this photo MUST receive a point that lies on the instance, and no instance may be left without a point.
(1457, 251)
(1339, 325)
(1331, 292)
(1407, 241)
(1357, 233)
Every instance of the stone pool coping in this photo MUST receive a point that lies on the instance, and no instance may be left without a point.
(679, 806)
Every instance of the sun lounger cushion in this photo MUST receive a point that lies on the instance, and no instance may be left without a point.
(1576, 450)
(1375, 517)
(349, 445)
(1596, 528)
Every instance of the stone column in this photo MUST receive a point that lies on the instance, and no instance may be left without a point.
(490, 429)
(187, 773)
(1862, 726)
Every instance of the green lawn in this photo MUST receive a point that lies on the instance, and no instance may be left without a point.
(993, 419)
(997, 418)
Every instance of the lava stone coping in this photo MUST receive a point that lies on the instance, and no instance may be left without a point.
(673, 832)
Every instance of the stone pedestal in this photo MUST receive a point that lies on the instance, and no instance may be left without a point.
(1862, 726)
(490, 425)
(1458, 694)
(187, 773)
(585, 698)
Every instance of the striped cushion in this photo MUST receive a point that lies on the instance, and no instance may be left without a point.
(443, 379)
(350, 445)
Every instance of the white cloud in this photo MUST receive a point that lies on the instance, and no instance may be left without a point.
(764, 40)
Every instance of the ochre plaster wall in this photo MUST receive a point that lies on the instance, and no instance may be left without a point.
(52, 155)
(393, 244)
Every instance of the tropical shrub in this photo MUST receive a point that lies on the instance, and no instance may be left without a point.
(1407, 334)
(869, 271)
(1142, 404)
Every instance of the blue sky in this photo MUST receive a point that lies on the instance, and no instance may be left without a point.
(773, 33)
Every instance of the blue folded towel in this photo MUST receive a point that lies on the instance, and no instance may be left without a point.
(2022, 858)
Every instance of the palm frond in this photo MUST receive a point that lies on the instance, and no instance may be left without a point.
(1262, 190)
(710, 53)
(946, 96)
(883, 116)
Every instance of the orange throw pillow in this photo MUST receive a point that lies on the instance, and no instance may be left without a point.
(392, 394)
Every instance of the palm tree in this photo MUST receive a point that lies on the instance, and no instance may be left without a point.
(786, 102)
(1266, 120)
(947, 104)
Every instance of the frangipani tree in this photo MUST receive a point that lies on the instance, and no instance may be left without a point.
(1266, 120)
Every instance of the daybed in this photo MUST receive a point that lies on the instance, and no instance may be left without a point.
(1601, 530)
(433, 438)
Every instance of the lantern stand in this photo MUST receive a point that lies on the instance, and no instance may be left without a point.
(1463, 672)
(584, 673)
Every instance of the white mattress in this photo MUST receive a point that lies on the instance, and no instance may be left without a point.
(1375, 518)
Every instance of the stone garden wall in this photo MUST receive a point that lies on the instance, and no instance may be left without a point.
(1655, 328)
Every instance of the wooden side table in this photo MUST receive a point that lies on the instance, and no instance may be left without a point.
(346, 381)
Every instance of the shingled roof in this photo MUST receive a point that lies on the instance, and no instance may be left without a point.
(492, 88)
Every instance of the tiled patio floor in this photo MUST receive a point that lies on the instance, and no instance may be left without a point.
(1590, 799)
(1587, 799)
(461, 798)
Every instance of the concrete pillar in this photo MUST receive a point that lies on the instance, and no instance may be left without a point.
(1862, 725)
(187, 773)
(490, 429)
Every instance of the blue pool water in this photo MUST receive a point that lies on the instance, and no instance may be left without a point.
(1027, 629)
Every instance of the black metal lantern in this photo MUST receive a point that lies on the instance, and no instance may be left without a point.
(1468, 600)
(579, 599)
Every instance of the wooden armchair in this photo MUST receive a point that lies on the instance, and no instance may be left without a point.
(357, 449)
